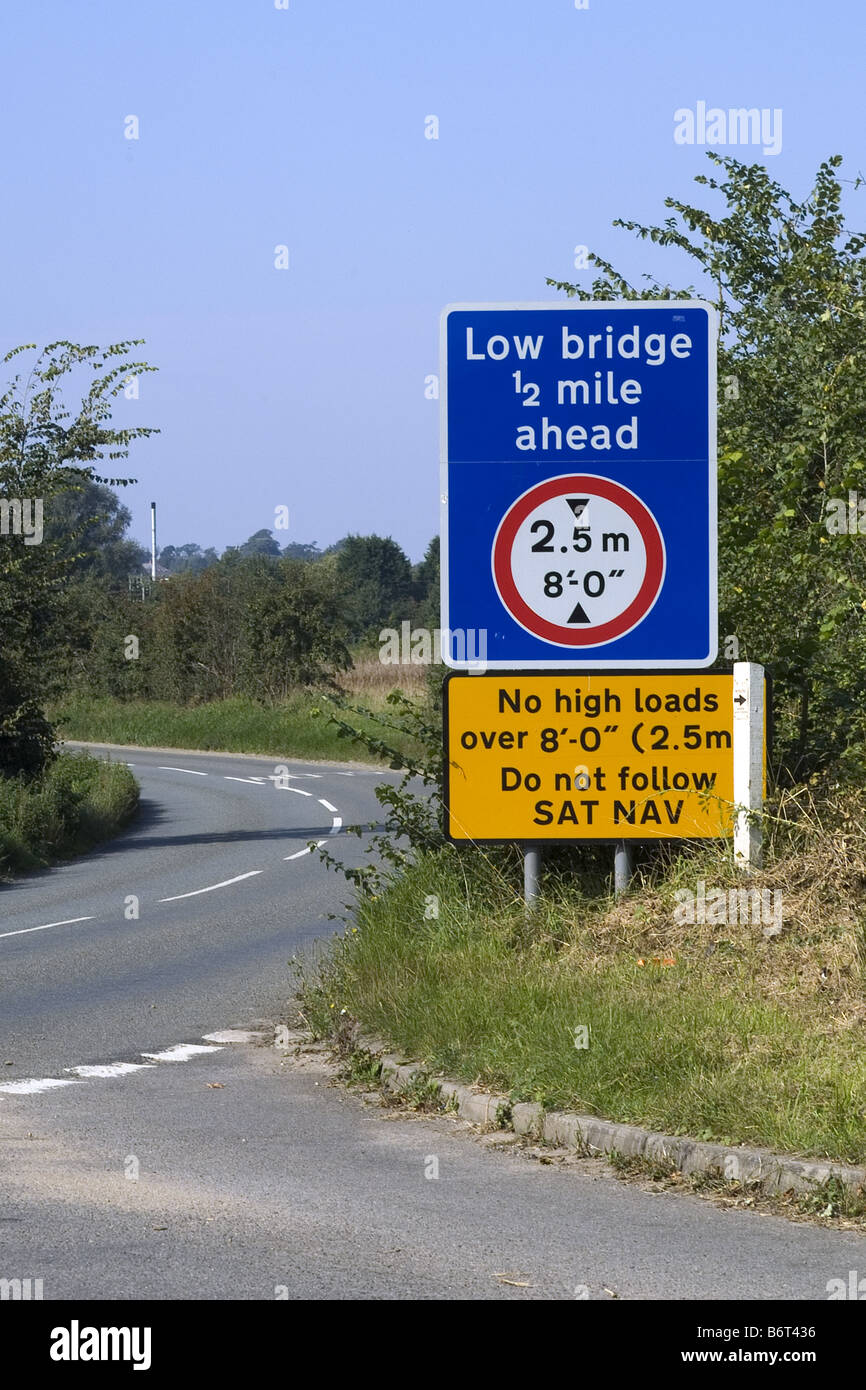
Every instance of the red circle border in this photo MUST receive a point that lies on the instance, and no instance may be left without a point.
(612, 492)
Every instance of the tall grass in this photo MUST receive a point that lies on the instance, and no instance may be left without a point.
(78, 801)
(719, 1030)
(297, 729)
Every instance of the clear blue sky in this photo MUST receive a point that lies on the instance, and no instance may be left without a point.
(305, 127)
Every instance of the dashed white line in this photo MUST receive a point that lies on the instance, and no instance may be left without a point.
(109, 1069)
(68, 922)
(26, 1088)
(188, 770)
(336, 826)
(181, 1052)
(301, 852)
(213, 887)
(327, 805)
(256, 781)
(296, 790)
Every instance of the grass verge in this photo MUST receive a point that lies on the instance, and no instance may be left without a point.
(78, 801)
(290, 730)
(721, 1031)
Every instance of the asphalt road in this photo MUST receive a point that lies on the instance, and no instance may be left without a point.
(140, 1158)
(105, 982)
(231, 1177)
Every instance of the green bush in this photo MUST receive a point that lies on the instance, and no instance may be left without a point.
(75, 802)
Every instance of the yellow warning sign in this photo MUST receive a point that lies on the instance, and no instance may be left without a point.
(588, 757)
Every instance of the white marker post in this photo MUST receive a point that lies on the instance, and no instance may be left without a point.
(748, 762)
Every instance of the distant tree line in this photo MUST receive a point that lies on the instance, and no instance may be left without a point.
(257, 621)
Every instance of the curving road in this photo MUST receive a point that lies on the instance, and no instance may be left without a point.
(227, 891)
(243, 1176)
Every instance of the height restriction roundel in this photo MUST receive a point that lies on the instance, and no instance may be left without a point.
(578, 560)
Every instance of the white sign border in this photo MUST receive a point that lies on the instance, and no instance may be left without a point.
(655, 663)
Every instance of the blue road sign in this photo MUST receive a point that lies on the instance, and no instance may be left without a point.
(578, 456)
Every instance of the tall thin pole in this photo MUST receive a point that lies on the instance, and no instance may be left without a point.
(531, 866)
(623, 867)
(153, 541)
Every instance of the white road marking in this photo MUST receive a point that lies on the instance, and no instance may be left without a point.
(197, 891)
(257, 781)
(181, 1052)
(27, 1088)
(110, 1069)
(296, 790)
(233, 1035)
(327, 805)
(301, 852)
(278, 776)
(181, 769)
(68, 922)
(337, 826)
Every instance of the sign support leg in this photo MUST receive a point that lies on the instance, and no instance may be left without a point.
(748, 762)
(623, 867)
(531, 867)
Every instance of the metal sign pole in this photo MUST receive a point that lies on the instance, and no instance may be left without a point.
(623, 867)
(531, 867)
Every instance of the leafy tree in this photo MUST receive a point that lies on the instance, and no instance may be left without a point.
(247, 625)
(425, 580)
(178, 559)
(260, 543)
(376, 581)
(790, 285)
(89, 524)
(299, 550)
(47, 450)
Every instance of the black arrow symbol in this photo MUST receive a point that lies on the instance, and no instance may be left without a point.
(739, 699)
(578, 616)
(577, 504)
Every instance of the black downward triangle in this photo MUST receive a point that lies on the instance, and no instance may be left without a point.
(578, 616)
(577, 505)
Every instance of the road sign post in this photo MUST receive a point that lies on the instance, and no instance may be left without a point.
(578, 494)
(749, 762)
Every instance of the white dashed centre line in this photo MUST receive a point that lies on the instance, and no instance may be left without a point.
(196, 891)
(67, 923)
(327, 805)
(302, 852)
(188, 770)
